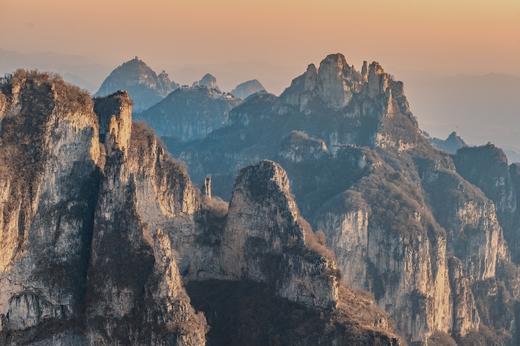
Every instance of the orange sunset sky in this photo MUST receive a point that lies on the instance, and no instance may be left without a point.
(281, 36)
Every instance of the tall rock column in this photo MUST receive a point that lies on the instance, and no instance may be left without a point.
(266, 240)
(49, 152)
(135, 294)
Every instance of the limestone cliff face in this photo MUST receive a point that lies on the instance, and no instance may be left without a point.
(487, 168)
(514, 242)
(57, 202)
(49, 151)
(441, 237)
(393, 247)
(474, 233)
(466, 317)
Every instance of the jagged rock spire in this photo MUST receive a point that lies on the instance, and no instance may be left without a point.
(262, 193)
(336, 82)
(115, 120)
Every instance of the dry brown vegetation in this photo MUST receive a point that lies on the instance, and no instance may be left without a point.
(216, 205)
(315, 241)
(441, 339)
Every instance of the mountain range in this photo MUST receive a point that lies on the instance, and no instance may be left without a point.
(322, 216)
(429, 234)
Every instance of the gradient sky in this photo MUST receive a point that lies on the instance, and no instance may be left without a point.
(449, 36)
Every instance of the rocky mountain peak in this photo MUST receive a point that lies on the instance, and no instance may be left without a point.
(455, 141)
(311, 78)
(208, 81)
(336, 79)
(454, 136)
(132, 71)
(165, 81)
(302, 88)
(142, 83)
(377, 80)
(336, 83)
(449, 145)
(164, 75)
(248, 88)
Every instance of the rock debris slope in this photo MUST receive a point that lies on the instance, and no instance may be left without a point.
(104, 239)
